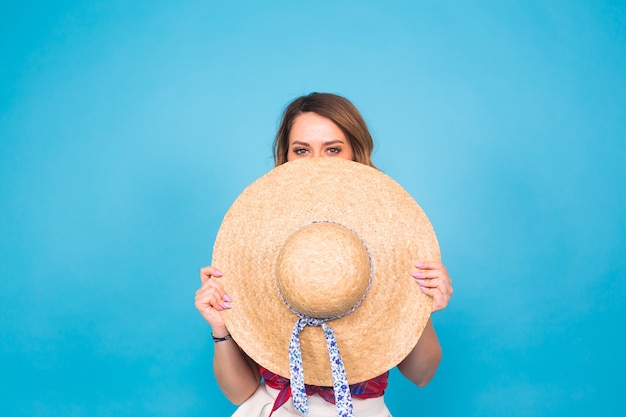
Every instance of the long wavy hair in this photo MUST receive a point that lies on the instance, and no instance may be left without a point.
(336, 108)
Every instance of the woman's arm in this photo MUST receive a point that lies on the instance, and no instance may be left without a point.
(236, 374)
(422, 363)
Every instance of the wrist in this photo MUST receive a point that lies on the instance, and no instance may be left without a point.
(219, 332)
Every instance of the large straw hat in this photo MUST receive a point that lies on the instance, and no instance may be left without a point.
(329, 239)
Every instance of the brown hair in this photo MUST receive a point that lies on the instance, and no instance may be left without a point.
(336, 108)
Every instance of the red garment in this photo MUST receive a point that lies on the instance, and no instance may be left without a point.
(371, 388)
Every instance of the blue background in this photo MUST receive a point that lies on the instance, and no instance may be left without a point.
(128, 128)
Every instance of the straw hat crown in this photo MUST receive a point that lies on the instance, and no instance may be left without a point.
(323, 270)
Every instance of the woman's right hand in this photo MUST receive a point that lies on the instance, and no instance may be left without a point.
(211, 299)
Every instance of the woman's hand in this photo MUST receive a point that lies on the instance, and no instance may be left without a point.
(434, 281)
(211, 299)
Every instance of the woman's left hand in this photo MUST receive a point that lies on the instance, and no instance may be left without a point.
(433, 279)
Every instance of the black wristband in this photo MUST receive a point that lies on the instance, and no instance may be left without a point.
(221, 339)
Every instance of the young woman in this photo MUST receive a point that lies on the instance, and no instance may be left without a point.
(316, 126)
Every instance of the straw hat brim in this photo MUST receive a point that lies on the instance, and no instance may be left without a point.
(384, 329)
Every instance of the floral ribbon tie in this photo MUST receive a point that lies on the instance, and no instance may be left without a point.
(343, 399)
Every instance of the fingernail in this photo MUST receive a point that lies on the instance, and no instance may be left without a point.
(416, 274)
(422, 287)
(227, 298)
(220, 308)
(218, 273)
(421, 281)
(419, 264)
(227, 305)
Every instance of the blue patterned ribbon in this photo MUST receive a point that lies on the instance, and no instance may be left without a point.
(343, 399)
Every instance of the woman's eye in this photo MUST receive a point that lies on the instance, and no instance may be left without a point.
(334, 150)
(299, 151)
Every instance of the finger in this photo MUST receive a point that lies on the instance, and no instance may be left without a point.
(213, 286)
(436, 287)
(440, 301)
(217, 286)
(428, 291)
(442, 283)
(207, 272)
(427, 274)
(443, 293)
(430, 265)
(434, 277)
(211, 298)
(205, 300)
(429, 282)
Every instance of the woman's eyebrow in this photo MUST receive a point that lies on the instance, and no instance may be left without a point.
(330, 142)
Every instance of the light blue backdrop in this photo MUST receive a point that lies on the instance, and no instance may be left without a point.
(128, 128)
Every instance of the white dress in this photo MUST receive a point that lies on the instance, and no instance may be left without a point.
(261, 402)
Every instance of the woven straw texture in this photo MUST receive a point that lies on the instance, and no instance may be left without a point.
(383, 330)
(323, 270)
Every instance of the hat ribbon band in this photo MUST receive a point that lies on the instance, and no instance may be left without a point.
(343, 399)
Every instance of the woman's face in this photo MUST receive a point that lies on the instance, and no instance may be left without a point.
(315, 136)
